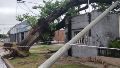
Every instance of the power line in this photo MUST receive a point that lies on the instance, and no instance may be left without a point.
(29, 9)
(22, 7)
(7, 24)
(32, 2)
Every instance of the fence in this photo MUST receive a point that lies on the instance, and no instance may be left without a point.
(83, 40)
(86, 51)
(109, 52)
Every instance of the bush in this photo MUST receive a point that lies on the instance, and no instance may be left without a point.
(114, 44)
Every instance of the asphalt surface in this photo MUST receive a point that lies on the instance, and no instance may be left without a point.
(2, 63)
(2, 53)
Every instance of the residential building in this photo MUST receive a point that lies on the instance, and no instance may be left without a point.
(19, 32)
(100, 35)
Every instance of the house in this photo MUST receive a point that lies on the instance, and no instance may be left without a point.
(100, 35)
(19, 32)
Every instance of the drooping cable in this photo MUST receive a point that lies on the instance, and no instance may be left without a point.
(25, 6)
(29, 9)
(22, 7)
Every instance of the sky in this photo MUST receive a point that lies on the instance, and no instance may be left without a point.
(9, 9)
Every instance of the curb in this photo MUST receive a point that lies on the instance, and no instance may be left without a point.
(7, 63)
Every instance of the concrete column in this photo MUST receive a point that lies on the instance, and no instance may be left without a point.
(119, 25)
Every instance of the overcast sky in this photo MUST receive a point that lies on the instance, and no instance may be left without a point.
(10, 8)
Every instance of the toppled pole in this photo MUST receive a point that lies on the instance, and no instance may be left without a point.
(48, 63)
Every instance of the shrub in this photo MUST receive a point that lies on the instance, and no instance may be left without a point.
(114, 44)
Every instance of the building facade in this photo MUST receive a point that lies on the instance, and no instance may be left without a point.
(19, 32)
(100, 35)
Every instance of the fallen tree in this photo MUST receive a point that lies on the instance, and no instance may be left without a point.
(41, 27)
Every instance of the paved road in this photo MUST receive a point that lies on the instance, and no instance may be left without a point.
(2, 63)
(2, 52)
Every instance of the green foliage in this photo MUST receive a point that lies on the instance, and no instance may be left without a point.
(114, 44)
(3, 36)
(19, 18)
(52, 27)
(72, 11)
(45, 11)
(100, 6)
(49, 7)
(48, 35)
(32, 20)
(103, 6)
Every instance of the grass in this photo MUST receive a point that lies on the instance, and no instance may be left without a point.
(71, 66)
(28, 62)
(43, 48)
(37, 57)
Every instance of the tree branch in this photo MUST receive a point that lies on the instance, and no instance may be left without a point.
(62, 23)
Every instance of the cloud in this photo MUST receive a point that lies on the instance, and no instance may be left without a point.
(5, 10)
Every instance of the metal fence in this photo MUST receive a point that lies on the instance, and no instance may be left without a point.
(109, 52)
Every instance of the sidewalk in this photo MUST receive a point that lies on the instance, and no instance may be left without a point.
(2, 53)
(2, 63)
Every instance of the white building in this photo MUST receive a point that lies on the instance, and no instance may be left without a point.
(19, 32)
(107, 29)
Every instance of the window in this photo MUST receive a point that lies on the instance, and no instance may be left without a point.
(83, 40)
(22, 36)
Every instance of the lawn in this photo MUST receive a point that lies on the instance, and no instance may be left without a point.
(39, 55)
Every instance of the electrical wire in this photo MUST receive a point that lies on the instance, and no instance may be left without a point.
(16, 9)
(25, 9)
(29, 9)
(32, 3)
(7, 24)
(22, 7)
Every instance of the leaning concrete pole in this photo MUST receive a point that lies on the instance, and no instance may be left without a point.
(48, 63)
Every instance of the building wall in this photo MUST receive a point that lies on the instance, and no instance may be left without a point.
(17, 37)
(19, 32)
(59, 36)
(84, 51)
(107, 28)
(12, 37)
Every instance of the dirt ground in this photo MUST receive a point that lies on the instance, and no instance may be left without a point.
(95, 62)
(101, 62)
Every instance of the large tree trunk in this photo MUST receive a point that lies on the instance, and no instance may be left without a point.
(36, 33)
